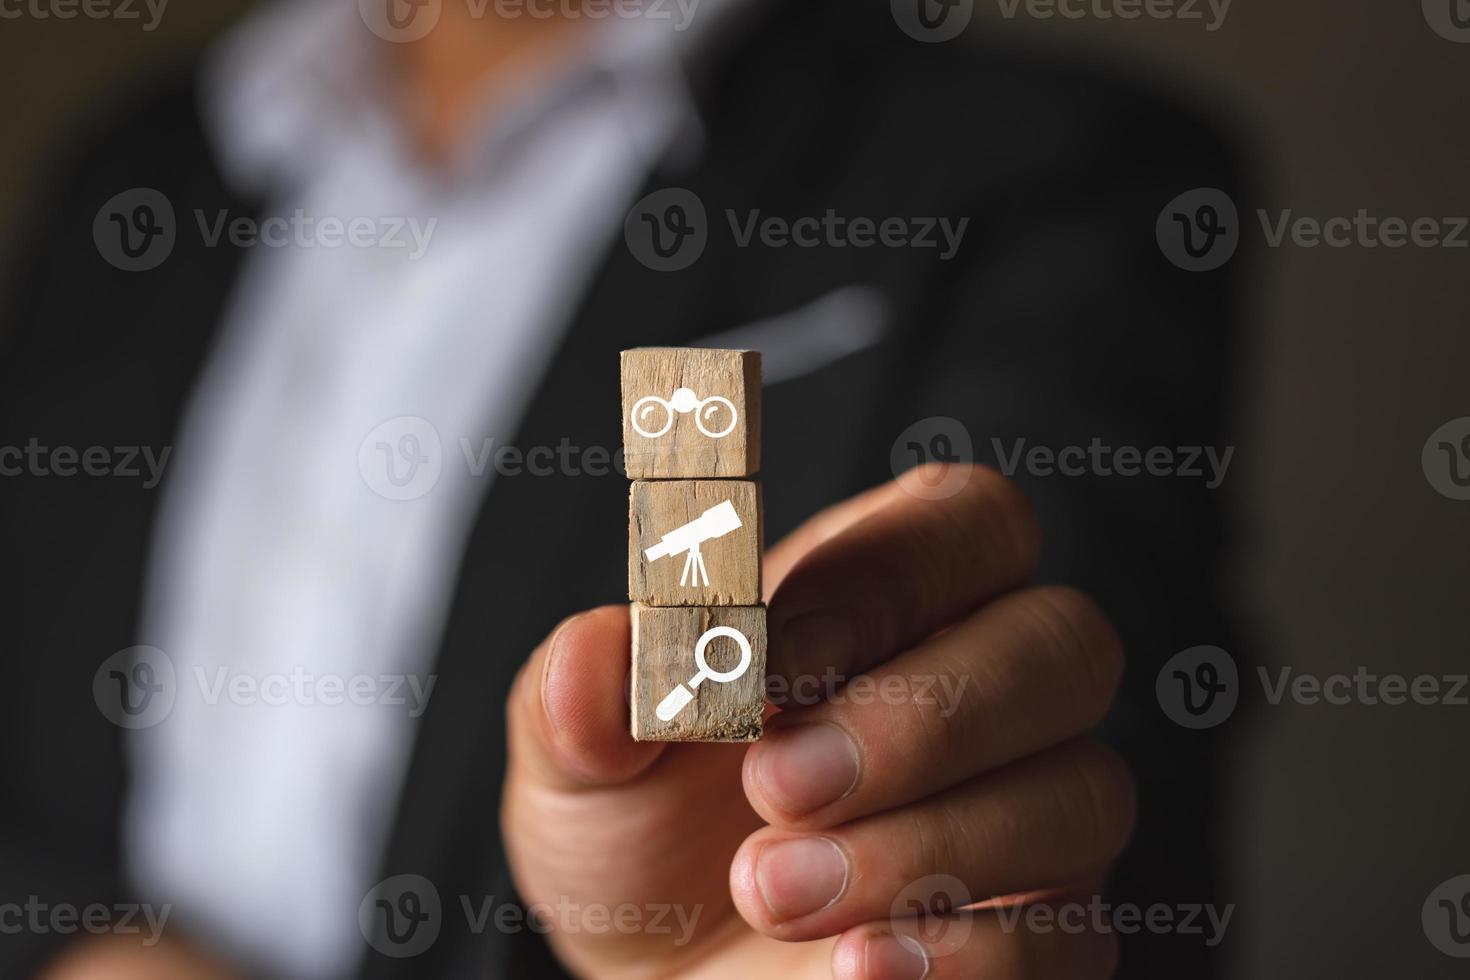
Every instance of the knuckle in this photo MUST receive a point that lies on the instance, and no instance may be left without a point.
(1006, 516)
(1110, 797)
(943, 839)
(1085, 638)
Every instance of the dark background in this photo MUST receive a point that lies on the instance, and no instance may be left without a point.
(1341, 819)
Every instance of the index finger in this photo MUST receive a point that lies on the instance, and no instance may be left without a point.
(904, 570)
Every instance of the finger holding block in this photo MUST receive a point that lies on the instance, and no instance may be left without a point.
(699, 673)
(694, 543)
(691, 413)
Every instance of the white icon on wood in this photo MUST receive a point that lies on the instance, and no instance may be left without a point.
(716, 522)
(679, 698)
(660, 413)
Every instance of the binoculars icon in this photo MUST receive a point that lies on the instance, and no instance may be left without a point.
(659, 414)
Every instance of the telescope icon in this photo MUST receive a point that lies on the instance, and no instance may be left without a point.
(716, 522)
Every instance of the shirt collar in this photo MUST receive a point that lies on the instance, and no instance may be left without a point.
(298, 82)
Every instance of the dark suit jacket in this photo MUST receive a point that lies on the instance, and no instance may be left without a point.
(1058, 321)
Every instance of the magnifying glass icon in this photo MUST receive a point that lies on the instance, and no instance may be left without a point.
(678, 699)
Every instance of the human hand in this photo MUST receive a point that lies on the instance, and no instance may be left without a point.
(790, 854)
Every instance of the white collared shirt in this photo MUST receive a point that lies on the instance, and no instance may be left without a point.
(310, 532)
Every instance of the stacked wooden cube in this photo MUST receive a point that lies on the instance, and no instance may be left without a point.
(691, 439)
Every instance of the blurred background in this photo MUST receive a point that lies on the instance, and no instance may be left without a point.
(1343, 818)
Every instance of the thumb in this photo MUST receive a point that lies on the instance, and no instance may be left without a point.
(568, 710)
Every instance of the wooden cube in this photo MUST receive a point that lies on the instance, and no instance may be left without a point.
(694, 542)
(677, 700)
(691, 413)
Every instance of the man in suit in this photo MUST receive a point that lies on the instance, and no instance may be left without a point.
(326, 281)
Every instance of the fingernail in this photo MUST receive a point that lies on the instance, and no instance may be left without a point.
(803, 768)
(799, 876)
(811, 646)
(889, 957)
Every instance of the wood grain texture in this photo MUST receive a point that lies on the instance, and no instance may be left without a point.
(731, 561)
(664, 642)
(675, 447)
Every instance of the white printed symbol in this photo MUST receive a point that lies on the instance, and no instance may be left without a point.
(683, 401)
(716, 522)
(678, 699)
